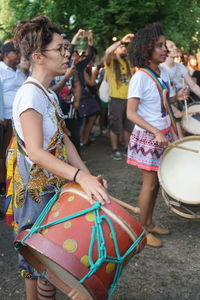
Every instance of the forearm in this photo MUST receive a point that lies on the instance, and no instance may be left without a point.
(138, 120)
(57, 88)
(73, 156)
(110, 50)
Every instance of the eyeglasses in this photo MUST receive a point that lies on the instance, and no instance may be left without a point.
(62, 49)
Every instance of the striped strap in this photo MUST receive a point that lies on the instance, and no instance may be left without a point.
(163, 91)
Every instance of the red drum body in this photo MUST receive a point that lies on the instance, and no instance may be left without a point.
(61, 251)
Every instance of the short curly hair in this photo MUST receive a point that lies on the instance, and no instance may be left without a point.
(141, 46)
(34, 35)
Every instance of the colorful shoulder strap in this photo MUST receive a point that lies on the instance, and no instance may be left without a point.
(164, 93)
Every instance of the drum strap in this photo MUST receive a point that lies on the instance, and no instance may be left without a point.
(97, 233)
(164, 94)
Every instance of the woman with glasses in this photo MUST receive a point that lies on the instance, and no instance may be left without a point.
(45, 157)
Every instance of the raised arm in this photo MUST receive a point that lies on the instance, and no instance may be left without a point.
(111, 49)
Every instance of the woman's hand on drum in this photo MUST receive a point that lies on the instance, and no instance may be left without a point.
(94, 187)
(160, 139)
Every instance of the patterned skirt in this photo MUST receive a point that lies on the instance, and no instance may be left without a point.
(143, 152)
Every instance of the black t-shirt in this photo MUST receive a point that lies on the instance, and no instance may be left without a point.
(196, 75)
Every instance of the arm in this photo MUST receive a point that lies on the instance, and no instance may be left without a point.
(192, 85)
(57, 88)
(134, 117)
(77, 91)
(34, 145)
(110, 50)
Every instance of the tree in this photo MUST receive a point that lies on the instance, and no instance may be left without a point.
(108, 18)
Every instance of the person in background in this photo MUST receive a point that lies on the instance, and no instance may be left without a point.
(118, 75)
(178, 73)
(11, 78)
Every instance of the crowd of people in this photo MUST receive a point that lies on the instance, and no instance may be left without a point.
(48, 84)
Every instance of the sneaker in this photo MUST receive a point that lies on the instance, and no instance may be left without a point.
(116, 155)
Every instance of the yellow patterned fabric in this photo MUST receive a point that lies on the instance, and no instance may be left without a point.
(39, 179)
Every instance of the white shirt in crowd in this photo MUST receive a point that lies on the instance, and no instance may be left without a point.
(11, 81)
(1, 103)
(150, 105)
(176, 74)
(30, 96)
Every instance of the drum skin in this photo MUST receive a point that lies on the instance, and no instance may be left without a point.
(178, 174)
(66, 244)
(189, 123)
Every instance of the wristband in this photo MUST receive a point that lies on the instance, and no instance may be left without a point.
(75, 175)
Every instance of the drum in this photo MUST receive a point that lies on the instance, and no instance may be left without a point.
(179, 176)
(82, 248)
(191, 121)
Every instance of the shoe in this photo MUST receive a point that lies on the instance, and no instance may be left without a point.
(153, 241)
(159, 230)
(116, 155)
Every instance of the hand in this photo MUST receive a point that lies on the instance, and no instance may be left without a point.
(160, 139)
(127, 38)
(70, 71)
(95, 190)
(76, 104)
(90, 37)
(182, 94)
(178, 114)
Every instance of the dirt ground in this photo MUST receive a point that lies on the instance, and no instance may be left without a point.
(169, 273)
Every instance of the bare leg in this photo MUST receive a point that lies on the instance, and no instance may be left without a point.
(114, 140)
(147, 197)
(45, 290)
(87, 128)
(127, 135)
(31, 289)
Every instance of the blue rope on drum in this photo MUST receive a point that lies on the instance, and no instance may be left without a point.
(97, 234)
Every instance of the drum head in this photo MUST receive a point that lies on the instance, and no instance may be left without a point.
(179, 171)
(191, 122)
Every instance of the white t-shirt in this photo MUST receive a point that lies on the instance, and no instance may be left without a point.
(30, 96)
(176, 74)
(150, 106)
(11, 81)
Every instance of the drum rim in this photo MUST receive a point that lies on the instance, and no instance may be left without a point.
(184, 118)
(176, 211)
(177, 142)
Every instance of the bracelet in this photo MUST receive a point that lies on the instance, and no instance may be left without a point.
(75, 175)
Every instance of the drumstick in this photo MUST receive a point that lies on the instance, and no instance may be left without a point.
(193, 112)
(183, 148)
(136, 210)
(185, 101)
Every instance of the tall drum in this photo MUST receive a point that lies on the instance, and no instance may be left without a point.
(191, 121)
(179, 176)
(82, 247)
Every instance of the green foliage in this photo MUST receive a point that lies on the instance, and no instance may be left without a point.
(108, 18)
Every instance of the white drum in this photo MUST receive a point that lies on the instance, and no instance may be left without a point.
(179, 176)
(191, 121)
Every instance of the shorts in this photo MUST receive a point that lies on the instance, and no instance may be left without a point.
(117, 117)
